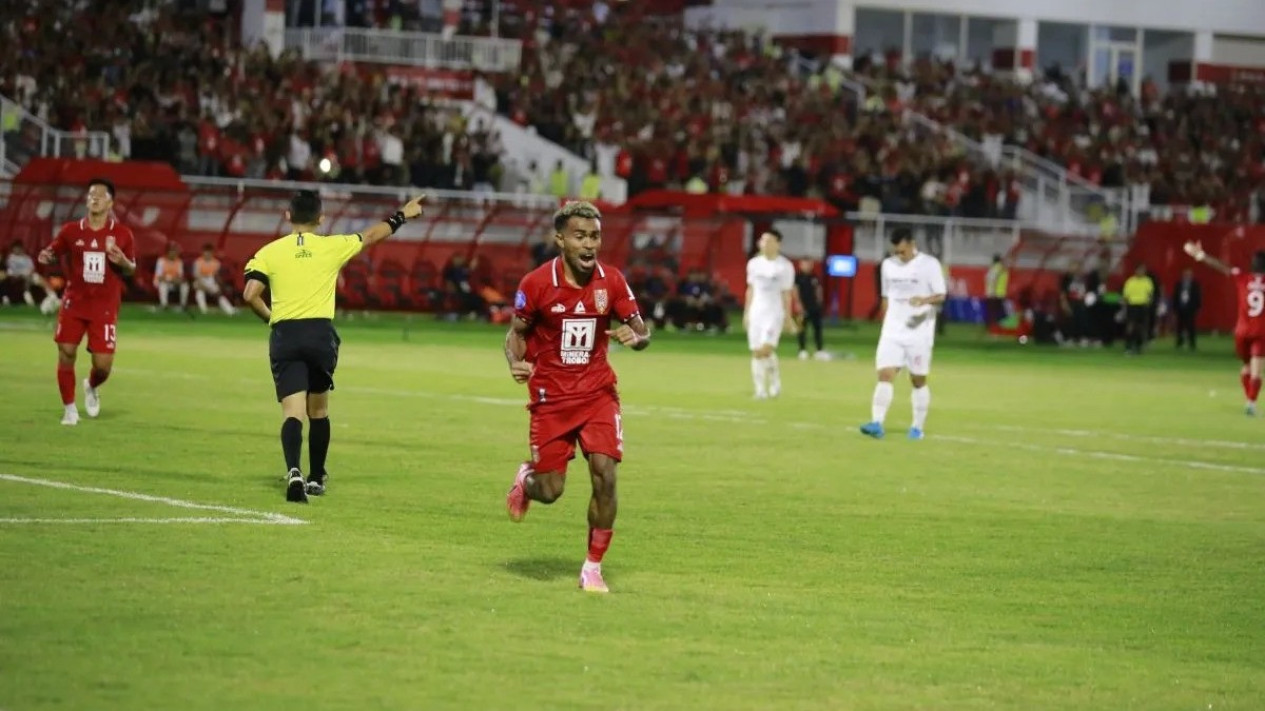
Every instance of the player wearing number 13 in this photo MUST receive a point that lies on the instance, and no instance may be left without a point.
(100, 253)
(1249, 332)
(557, 344)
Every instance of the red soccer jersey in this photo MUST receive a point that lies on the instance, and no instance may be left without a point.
(92, 283)
(567, 341)
(1251, 298)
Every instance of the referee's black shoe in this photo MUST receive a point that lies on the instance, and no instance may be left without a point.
(316, 484)
(296, 489)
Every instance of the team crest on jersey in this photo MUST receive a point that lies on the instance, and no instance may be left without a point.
(599, 299)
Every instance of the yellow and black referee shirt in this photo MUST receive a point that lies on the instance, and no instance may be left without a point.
(301, 271)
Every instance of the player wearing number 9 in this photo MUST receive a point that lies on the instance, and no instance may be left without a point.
(1249, 331)
(97, 254)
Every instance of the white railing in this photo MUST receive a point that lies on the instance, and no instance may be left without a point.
(960, 241)
(417, 49)
(24, 136)
(524, 146)
(350, 190)
(1052, 198)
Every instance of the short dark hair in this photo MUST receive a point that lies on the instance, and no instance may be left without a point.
(105, 183)
(777, 234)
(208, 247)
(575, 208)
(1258, 262)
(305, 207)
(902, 234)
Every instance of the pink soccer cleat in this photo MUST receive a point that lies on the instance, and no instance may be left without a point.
(516, 501)
(591, 581)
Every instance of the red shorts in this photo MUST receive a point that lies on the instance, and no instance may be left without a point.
(1249, 347)
(71, 327)
(555, 428)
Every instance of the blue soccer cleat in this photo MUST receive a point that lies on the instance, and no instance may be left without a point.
(916, 433)
(873, 429)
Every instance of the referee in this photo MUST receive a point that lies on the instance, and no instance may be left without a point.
(301, 270)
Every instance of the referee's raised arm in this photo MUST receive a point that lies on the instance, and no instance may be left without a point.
(386, 228)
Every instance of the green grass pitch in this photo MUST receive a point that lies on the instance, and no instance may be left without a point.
(1080, 530)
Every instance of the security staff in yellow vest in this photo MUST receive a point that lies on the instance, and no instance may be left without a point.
(996, 282)
(1139, 293)
(591, 185)
(301, 271)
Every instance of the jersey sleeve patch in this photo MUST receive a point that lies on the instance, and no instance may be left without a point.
(520, 300)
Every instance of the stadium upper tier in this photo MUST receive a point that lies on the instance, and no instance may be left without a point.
(643, 98)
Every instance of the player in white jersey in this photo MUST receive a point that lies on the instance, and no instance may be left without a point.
(770, 283)
(912, 287)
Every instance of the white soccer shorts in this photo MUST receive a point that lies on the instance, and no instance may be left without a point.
(912, 356)
(764, 331)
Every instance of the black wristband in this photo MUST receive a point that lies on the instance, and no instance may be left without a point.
(396, 220)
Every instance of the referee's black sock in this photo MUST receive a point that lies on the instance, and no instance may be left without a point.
(292, 441)
(317, 446)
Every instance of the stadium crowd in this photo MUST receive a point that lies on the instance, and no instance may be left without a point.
(642, 98)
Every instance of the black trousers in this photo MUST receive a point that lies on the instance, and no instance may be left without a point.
(811, 318)
(1137, 326)
(1186, 329)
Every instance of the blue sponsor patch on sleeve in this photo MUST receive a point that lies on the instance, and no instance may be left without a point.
(520, 300)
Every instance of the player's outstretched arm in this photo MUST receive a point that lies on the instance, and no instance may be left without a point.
(634, 334)
(1196, 251)
(253, 295)
(386, 228)
(516, 350)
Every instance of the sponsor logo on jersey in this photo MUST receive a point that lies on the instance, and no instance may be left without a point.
(303, 254)
(578, 338)
(558, 308)
(579, 308)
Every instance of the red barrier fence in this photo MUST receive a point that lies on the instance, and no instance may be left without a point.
(1158, 245)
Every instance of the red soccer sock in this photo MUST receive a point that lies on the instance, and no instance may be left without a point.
(599, 541)
(1247, 384)
(1253, 389)
(66, 383)
(97, 376)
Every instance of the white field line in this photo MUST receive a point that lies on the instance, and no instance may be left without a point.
(236, 515)
(741, 417)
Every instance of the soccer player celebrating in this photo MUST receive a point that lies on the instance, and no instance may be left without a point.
(100, 254)
(770, 284)
(912, 287)
(1249, 331)
(557, 344)
(301, 272)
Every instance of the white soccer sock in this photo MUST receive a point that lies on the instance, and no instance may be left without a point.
(590, 565)
(226, 306)
(882, 400)
(775, 372)
(758, 371)
(200, 297)
(162, 295)
(184, 294)
(28, 298)
(921, 398)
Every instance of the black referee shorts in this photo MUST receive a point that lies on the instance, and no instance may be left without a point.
(304, 354)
